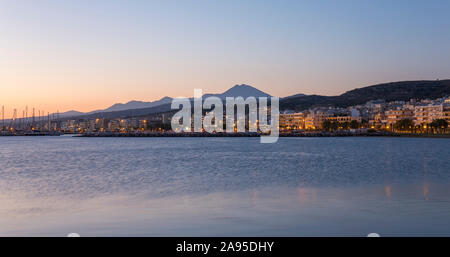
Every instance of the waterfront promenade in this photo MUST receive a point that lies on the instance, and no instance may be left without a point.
(253, 134)
(237, 134)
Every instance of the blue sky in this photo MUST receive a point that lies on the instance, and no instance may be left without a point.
(90, 54)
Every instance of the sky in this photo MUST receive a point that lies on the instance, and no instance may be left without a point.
(87, 55)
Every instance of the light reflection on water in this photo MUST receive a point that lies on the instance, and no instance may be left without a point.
(224, 187)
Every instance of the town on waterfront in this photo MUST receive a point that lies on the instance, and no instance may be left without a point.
(421, 117)
(224, 127)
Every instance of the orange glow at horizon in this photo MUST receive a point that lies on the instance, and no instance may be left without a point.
(84, 56)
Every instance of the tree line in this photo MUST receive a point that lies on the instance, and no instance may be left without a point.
(407, 125)
(335, 125)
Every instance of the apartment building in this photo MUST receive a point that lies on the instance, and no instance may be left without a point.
(392, 116)
(292, 120)
(314, 120)
(424, 114)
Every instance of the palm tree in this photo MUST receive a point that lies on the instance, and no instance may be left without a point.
(345, 125)
(334, 126)
(404, 124)
(439, 124)
(354, 124)
(326, 125)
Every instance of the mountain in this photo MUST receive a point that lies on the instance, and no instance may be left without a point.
(293, 96)
(393, 91)
(69, 114)
(136, 108)
(134, 105)
(163, 108)
(238, 90)
(142, 108)
(120, 107)
(244, 91)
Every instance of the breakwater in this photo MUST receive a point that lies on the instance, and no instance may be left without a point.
(30, 134)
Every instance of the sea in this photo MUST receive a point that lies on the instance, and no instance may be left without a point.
(217, 186)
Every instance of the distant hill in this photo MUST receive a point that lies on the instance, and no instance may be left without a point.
(69, 114)
(138, 108)
(127, 113)
(404, 90)
(394, 91)
(240, 90)
(134, 105)
(293, 96)
(244, 91)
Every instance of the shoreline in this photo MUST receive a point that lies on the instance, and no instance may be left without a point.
(30, 134)
(250, 134)
(244, 134)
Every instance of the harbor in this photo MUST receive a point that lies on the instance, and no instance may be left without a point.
(36, 124)
(31, 133)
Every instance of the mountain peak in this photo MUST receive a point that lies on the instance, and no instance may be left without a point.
(166, 98)
(241, 86)
(133, 101)
(244, 91)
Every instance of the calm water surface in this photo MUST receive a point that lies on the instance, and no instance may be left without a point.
(51, 186)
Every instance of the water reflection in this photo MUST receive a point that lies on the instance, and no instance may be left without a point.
(426, 190)
(387, 191)
(306, 195)
(258, 212)
(176, 187)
